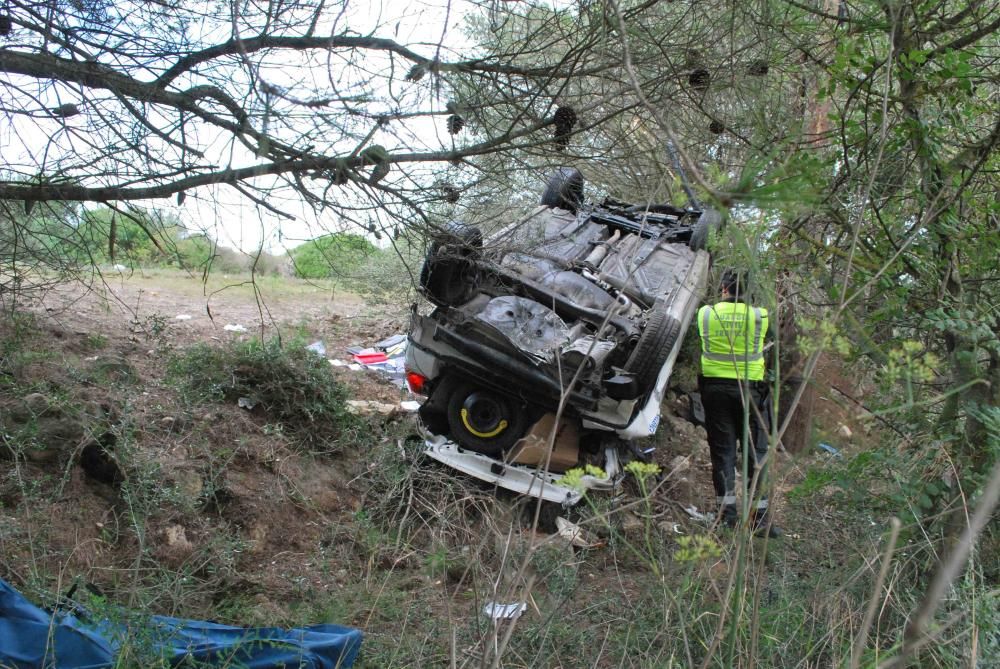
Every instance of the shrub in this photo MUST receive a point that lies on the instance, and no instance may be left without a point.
(337, 255)
(289, 386)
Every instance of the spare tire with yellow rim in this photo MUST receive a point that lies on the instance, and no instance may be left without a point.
(484, 420)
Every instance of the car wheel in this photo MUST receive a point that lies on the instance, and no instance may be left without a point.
(652, 349)
(564, 190)
(709, 221)
(449, 275)
(483, 420)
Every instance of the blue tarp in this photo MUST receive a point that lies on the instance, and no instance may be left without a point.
(32, 638)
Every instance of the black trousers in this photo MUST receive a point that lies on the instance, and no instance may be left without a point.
(724, 401)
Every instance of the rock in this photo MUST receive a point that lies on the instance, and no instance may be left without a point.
(176, 548)
(256, 536)
(681, 489)
(36, 403)
(176, 537)
(99, 464)
(115, 368)
(189, 483)
(55, 436)
(679, 464)
(632, 524)
(845, 432)
(669, 527)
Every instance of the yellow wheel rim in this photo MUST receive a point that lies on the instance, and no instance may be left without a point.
(482, 435)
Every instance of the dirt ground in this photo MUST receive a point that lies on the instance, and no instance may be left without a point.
(222, 517)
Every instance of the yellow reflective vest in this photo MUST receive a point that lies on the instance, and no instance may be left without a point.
(732, 340)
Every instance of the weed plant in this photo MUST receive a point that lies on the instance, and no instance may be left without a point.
(290, 386)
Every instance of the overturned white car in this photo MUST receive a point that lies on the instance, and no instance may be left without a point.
(576, 312)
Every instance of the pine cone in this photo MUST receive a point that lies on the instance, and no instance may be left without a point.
(455, 124)
(564, 120)
(6, 25)
(699, 79)
(65, 111)
(416, 73)
(450, 193)
(716, 127)
(758, 68)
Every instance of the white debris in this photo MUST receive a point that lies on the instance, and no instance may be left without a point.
(246, 403)
(318, 348)
(182, 317)
(366, 407)
(698, 515)
(504, 611)
(409, 406)
(337, 363)
(572, 533)
(229, 327)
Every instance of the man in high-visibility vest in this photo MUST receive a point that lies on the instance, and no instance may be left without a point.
(732, 334)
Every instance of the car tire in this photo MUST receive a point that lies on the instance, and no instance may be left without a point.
(564, 190)
(653, 348)
(709, 221)
(483, 420)
(449, 277)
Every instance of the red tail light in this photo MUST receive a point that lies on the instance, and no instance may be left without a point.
(417, 383)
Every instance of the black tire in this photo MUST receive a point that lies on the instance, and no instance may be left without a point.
(491, 422)
(564, 190)
(652, 349)
(449, 276)
(709, 221)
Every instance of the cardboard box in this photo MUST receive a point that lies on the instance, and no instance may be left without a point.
(533, 449)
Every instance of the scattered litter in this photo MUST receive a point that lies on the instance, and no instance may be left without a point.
(182, 317)
(318, 348)
(91, 358)
(823, 446)
(368, 407)
(574, 534)
(229, 327)
(385, 358)
(504, 611)
(119, 268)
(246, 403)
(370, 358)
(845, 432)
(337, 363)
(409, 406)
(392, 346)
(698, 515)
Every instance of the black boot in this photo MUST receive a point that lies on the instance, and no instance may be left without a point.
(763, 526)
(729, 515)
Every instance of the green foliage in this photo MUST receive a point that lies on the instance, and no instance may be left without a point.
(287, 385)
(337, 255)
